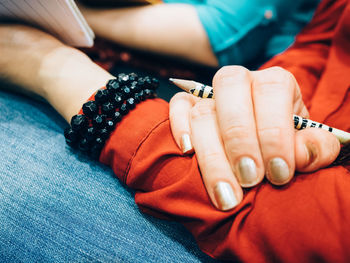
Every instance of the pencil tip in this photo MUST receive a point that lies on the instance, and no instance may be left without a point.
(171, 80)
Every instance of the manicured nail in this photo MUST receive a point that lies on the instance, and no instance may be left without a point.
(224, 196)
(278, 171)
(247, 175)
(186, 144)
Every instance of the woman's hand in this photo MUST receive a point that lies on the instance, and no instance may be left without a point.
(247, 132)
(37, 63)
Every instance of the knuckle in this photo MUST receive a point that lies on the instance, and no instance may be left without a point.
(211, 158)
(231, 71)
(202, 108)
(272, 135)
(234, 133)
(277, 80)
(281, 75)
(178, 96)
(277, 69)
(276, 75)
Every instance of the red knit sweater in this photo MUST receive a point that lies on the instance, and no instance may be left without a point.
(307, 220)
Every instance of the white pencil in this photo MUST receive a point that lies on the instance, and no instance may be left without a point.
(204, 91)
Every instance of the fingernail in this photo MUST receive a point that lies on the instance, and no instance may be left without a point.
(311, 152)
(278, 171)
(224, 196)
(186, 144)
(247, 175)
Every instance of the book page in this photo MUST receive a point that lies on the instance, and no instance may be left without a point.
(61, 18)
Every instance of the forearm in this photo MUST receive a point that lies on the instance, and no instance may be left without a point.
(70, 82)
(37, 63)
(169, 29)
(269, 225)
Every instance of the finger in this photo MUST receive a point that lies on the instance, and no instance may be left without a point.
(273, 95)
(179, 114)
(232, 88)
(304, 112)
(315, 149)
(299, 107)
(219, 180)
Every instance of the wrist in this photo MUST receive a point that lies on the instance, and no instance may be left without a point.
(69, 78)
(98, 117)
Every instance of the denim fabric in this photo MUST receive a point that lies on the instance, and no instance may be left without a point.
(59, 206)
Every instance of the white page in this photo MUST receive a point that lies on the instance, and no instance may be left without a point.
(61, 18)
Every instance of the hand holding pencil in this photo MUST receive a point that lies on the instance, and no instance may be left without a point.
(206, 92)
(245, 132)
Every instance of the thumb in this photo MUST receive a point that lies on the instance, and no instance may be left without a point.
(315, 149)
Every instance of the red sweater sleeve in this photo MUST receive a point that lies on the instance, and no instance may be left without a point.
(307, 57)
(302, 222)
(305, 221)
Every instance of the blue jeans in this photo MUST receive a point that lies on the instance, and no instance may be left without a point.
(56, 206)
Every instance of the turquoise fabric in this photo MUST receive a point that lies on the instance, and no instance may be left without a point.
(249, 32)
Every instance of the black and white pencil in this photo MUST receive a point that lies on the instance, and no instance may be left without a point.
(204, 91)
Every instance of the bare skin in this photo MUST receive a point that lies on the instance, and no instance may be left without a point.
(65, 77)
(246, 132)
(167, 29)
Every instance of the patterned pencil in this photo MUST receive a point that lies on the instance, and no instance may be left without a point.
(204, 91)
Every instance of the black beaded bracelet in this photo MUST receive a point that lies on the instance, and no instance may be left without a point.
(89, 131)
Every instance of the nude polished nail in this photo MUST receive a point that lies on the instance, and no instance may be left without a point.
(186, 144)
(224, 196)
(278, 171)
(247, 174)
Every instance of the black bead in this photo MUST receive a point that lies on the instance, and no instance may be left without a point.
(134, 87)
(95, 151)
(130, 102)
(71, 136)
(84, 145)
(99, 141)
(123, 109)
(113, 86)
(108, 108)
(110, 125)
(141, 83)
(148, 93)
(154, 83)
(123, 79)
(147, 82)
(118, 99)
(103, 133)
(90, 108)
(126, 92)
(142, 95)
(99, 120)
(137, 98)
(133, 77)
(101, 96)
(117, 117)
(90, 134)
(79, 122)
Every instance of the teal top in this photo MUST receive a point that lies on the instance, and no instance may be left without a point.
(249, 32)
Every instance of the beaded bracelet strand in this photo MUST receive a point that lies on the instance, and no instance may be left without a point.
(89, 131)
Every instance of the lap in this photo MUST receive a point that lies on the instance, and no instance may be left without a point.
(61, 206)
